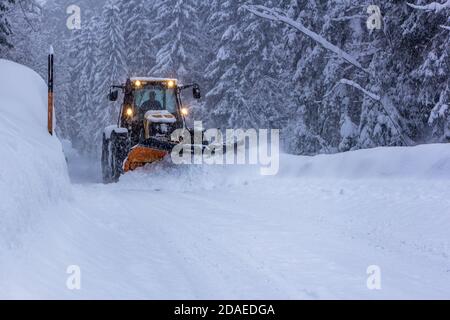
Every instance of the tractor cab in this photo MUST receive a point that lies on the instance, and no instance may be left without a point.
(150, 112)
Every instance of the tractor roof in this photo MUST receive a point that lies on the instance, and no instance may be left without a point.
(152, 79)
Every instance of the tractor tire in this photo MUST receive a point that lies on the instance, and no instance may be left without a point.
(106, 167)
(114, 153)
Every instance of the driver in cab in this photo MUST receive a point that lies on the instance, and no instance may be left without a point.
(150, 104)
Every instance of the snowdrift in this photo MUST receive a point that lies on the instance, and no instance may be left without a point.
(33, 171)
(421, 162)
(429, 162)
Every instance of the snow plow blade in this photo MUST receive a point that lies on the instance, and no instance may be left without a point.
(140, 156)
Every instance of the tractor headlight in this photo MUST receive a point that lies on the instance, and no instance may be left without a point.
(129, 112)
(138, 83)
(185, 111)
(171, 84)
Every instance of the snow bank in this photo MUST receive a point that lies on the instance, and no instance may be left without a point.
(167, 176)
(423, 162)
(33, 171)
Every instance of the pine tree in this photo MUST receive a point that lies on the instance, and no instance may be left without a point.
(304, 61)
(83, 88)
(5, 28)
(245, 89)
(26, 27)
(341, 117)
(431, 75)
(178, 38)
(255, 73)
(110, 69)
(223, 71)
(138, 26)
(112, 56)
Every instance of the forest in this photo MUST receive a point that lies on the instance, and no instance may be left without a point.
(311, 68)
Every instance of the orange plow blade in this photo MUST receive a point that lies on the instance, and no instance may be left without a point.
(140, 156)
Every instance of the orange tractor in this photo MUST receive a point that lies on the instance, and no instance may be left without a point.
(151, 111)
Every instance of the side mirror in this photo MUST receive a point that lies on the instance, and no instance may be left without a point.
(196, 92)
(113, 95)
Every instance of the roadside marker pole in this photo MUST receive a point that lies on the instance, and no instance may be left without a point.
(50, 91)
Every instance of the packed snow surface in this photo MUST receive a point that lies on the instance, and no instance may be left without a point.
(221, 232)
(226, 232)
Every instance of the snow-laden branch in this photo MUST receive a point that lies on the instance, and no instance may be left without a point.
(385, 103)
(434, 6)
(272, 14)
(358, 86)
(276, 15)
(346, 18)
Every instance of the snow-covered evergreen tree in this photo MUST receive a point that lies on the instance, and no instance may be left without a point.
(5, 28)
(245, 91)
(178, 39)
(304, 65)
(138, 25)
(343, 113)
(223, 72)
(26, 26)
(432, 73)
(110, 69)
(254, 72)
(83, 94)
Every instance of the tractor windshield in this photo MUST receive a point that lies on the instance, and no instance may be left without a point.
(155, 97)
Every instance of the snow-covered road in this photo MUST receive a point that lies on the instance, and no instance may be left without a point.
(215, 232)
(228, 233)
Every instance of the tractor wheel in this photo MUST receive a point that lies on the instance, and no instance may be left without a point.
(114, 153)
(106, 167)
(118, 154)
(116, 165)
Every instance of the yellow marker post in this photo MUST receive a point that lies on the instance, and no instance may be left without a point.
(50, 92)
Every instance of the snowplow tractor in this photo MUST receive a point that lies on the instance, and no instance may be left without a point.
(150, 112)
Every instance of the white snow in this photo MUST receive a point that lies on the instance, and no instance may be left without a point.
(348, 128)
(422, 162)
(113, 128)
(160, 116)
(152, 79)
(216, 232)
(33, 171)
(194, 232)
